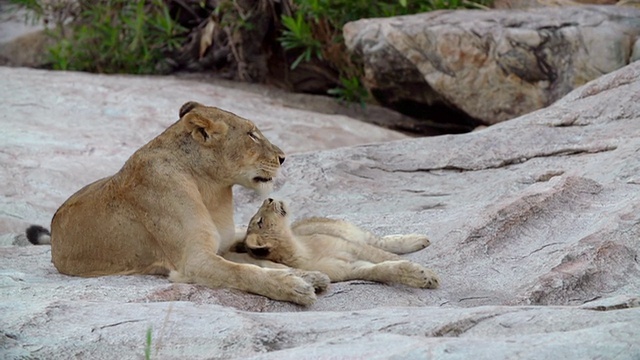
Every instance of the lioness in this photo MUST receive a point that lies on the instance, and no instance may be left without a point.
(334, 247)
(169, 210)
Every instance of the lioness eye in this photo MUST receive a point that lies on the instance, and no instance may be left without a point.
(253, 136)
(260, 223)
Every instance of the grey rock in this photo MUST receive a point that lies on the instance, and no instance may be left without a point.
(534, 225)
(490, 66)
(635, 53)
(186, 330)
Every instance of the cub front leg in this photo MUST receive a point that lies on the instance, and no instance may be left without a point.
(400, 271)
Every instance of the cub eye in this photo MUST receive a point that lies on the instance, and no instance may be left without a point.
(253, 136)
(260, 223)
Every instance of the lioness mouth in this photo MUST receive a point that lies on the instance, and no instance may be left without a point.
(262, 179)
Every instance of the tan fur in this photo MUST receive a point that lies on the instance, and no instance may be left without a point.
(169, 210)
(337, 248)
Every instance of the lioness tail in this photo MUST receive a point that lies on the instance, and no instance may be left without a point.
(38, 235)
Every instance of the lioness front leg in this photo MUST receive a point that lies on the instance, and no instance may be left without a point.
(277, 284)
(317, 279)
(400, 271)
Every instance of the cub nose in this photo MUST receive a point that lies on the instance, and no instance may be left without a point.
(270, 200)
(281, 159)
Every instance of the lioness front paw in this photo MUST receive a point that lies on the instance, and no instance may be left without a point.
(418, 276)
(290, 287)
(176, 277)
(320, 281)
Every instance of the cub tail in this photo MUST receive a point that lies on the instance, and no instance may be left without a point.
(37, 235)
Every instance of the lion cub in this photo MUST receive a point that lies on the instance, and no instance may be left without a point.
(337, 248)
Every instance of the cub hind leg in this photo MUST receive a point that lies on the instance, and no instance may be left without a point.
(397, 244)
(398, 271)
(332, 227)
(403, 244)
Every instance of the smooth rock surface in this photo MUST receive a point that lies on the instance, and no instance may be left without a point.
(492, 65)
(535, 229)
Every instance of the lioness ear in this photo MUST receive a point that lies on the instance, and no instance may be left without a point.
(188, 106)
(202, 129)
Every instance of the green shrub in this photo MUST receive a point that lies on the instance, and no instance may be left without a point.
(111, 36)
(297, 35)
(315, 29)
(124, 36)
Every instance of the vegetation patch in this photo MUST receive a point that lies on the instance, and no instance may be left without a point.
(296, 44)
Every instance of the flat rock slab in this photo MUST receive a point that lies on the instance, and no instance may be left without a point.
(535, 229)
(186, 330)
(62, 130)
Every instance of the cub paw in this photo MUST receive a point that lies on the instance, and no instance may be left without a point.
(403, 244)
(320, 281)
(418, 276)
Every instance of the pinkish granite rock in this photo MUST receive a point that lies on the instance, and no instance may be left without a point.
(534, 224)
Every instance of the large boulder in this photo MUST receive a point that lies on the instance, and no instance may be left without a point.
(474, 67)
(535, 229)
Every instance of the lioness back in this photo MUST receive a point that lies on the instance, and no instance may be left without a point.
(81, 214)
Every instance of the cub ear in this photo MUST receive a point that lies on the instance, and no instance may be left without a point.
(260, 252)
(188, 106)
(239, 248)
(202, 128)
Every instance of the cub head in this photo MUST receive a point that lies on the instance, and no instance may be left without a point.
(229, 148)
(269, 235)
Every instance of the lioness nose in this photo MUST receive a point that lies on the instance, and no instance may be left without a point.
(281, 159)
(270, 200)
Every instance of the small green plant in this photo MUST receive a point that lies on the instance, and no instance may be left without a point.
(350, 90)
(298, 35)
(147, 345)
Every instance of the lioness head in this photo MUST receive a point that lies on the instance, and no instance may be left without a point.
(229, 147)
(269, 235)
